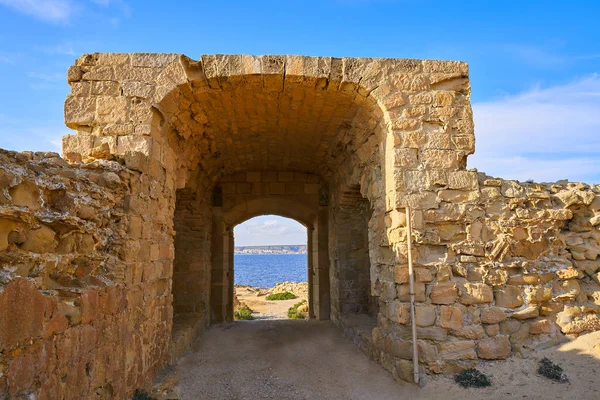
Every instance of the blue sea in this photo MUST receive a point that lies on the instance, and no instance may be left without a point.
(265, 270)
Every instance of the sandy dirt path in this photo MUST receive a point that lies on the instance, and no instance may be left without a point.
(265, 309)
(291, 359)
(282, 360)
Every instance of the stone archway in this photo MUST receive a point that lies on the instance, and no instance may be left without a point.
(299, 203)
(111, 259)
(241, 143)
(349, 134)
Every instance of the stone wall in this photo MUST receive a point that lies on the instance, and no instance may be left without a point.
(170, 153)
(80, 317)
(502, 268)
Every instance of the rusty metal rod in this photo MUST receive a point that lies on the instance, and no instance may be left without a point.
(411, 282)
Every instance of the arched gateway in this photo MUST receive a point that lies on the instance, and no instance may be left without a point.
(128, 251)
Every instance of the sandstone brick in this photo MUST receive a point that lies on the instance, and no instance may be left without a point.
(492, 330)
(451, 317)
(529, 279)
(79, 111)
(526, 313)
(458, 350)
(41, 240)
(425, 315)
(111, 109)
(538, 294)
(420, 274)
(492, 315)
(475, 293)
(445, 293)
(463, 180)
(542, 326)
(403, 292)
(26, 194)
(20, 298)
(473, 332)
(399, 312)
(509, 297)
(494, 348)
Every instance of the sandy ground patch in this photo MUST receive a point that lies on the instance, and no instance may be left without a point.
(264, 309)
(292, 359)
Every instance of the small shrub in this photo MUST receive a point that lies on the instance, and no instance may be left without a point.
(295, 313)
(472, 378)
(141, 395)
(551, 371)
(244, 312)
(281, 296)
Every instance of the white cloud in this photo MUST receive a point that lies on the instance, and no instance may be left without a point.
(62, 11)
(8, 58)
(269, 230)
(47, 10)
(65, 48)
(543, 134)
(535, 55)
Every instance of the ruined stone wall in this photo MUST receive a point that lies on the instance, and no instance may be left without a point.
(502, 268)
(84, 308)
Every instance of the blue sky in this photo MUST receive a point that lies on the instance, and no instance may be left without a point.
(534, 64)
(269, 229)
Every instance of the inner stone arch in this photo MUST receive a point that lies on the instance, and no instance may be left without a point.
(248, 145)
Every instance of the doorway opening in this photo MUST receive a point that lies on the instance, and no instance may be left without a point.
(271, 269)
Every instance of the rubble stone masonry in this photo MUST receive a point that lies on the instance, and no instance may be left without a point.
(115, 258)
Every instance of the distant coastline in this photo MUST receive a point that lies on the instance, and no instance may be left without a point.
(272, 249)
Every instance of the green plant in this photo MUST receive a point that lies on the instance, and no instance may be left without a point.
(472, 378)
(141, 395)
(281, 296)
(298, 311)
(551, 371)
(244, 312)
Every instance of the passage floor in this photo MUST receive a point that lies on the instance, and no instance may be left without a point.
(289, 359)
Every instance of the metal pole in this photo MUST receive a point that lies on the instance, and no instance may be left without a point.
(411, 280)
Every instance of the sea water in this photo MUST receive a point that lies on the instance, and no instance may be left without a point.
(265, 270)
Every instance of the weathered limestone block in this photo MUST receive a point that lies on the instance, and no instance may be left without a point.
(526, 313)
(492, 330)
(458, 350)
(79, 111)
(403, 292)
(444, 293)
(509, 297)
(26, 194)
(41, 240)
(492, 315)
(451, 317)
(522, 280)
(543, 326)
(473, 332)
(573, 321)
(538, 294)
(425, 315)
(496, 277)
(494, 348)
(475, 293)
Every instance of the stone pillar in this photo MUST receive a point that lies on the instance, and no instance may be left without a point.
(219, 280)
(320, 256)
